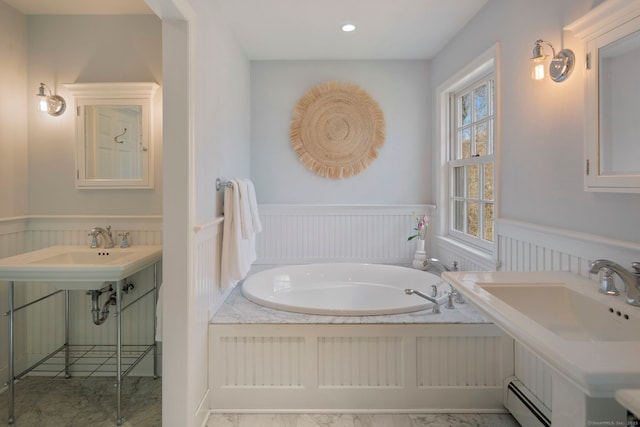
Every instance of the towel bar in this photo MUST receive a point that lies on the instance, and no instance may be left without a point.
(220, 183)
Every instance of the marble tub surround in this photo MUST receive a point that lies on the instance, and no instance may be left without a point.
(82, 402)
(361, 420)
(238, 310)
(270, 361)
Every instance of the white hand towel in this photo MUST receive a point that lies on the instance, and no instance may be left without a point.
(246, 222)
(253, 206)
(237, 253)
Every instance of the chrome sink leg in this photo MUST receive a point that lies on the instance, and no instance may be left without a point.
(155, 320)
(119, 286)
(11, 367)
(66, 334)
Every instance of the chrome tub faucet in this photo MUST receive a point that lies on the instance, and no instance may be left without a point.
(631, 279)
(436, 304)
(107, 238)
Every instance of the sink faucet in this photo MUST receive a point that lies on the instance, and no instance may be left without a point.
(106, 237)
(630, 279)
(436, 304)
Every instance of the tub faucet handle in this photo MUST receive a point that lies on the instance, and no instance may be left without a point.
(450, 300)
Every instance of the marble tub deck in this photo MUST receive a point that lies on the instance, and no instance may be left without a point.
(237, 310)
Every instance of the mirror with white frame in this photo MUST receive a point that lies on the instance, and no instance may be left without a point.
(611, 36)
(114, 135)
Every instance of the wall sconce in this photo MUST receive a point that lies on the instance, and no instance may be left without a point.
(52, 104)
(560, 67)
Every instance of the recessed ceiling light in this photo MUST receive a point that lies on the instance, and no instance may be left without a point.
(347, 28)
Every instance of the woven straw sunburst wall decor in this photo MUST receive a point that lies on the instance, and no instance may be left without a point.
(337, 129)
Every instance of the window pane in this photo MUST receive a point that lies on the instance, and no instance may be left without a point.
(481, 132)
(465, 111)
(472, 219)
(488, 181)
(480, 102)
(465, 144)
(458, 215)
(488, 222)
(473, 182)
(458, 181)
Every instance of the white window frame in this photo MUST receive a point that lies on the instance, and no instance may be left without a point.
(486, 64)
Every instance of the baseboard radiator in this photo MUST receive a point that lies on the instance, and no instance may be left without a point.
(526, 408)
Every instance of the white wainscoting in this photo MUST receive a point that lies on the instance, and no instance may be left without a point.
(40, 329)
(356, 368)
(300, 234)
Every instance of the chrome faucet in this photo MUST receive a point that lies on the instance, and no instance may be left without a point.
(432, 264)
(107, 238)
(630, 279)
(436, 304)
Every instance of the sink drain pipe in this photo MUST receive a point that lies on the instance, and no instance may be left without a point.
(99, 317)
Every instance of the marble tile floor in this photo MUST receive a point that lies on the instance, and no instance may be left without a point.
(84, 402)
(361, 420)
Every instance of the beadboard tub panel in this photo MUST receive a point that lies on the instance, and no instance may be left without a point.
(256, 367)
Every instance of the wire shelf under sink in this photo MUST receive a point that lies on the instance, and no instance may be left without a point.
(92, 360)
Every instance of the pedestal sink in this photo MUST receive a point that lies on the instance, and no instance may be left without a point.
(591, 340)
(78, 268)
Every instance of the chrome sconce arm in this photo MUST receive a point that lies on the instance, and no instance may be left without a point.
(561, 66)
(55, 105)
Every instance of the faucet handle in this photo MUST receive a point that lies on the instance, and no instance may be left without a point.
(607, 284)
(636, 267)
(94, 240)
(124, 242)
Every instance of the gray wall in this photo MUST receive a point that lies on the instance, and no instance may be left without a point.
(542, 152)
(84, 49)
(13, 112)
(402, 171)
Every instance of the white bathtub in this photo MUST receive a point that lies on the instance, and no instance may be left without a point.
(343, 289)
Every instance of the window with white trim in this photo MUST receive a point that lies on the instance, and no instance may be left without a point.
(471, 163)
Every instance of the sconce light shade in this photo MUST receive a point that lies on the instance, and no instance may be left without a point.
(52, 104)
(561, 65)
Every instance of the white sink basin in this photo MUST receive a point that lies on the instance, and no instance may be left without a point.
(78, 267)
(591, 338)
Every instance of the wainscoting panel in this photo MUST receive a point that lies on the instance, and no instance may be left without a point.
(459, 361)
(360, 362)
(274, 362)
(208, 242)
(299, 234)
(363, 367)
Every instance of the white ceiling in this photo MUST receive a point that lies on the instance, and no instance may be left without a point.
(81, 7)
(310, 29)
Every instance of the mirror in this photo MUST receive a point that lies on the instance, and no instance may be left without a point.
(114, 135)
(619, 90)
(611, 36)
